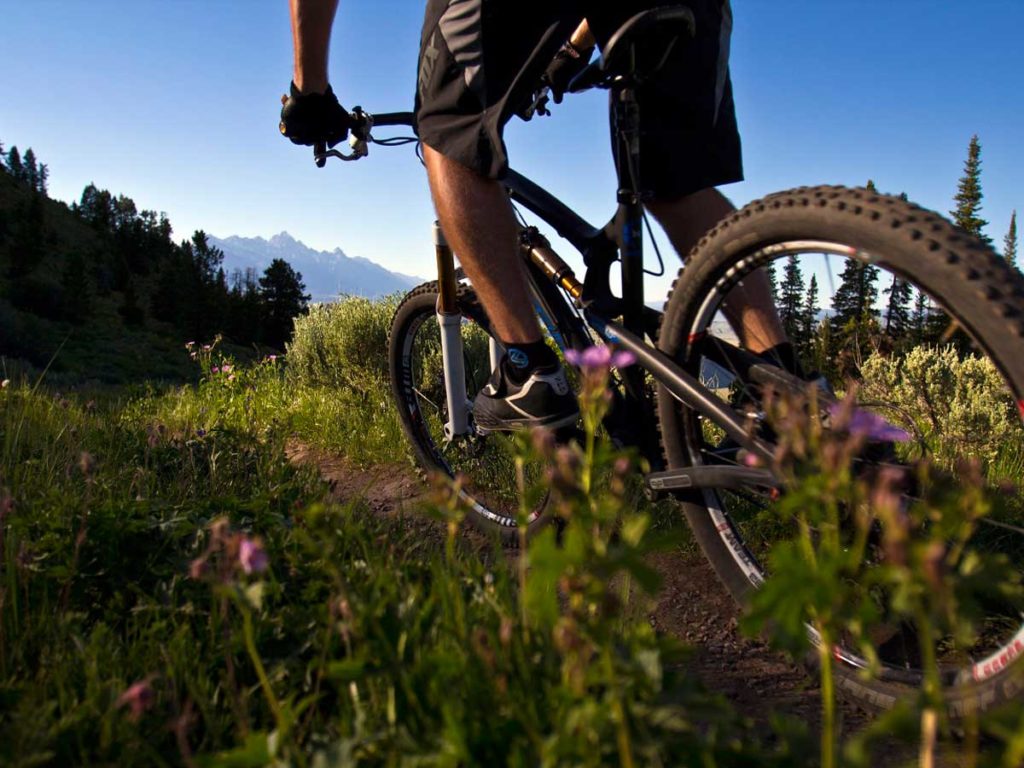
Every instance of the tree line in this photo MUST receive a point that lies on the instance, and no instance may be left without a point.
(133, 261)
(865, 316)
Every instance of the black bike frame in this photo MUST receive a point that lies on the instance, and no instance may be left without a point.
(622, 240)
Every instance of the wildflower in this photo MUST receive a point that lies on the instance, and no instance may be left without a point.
(200, 432)
(86, 463)
(207, 347)
(5, 383)
(543, 441)
(197, 568)
(599, 358)
(252, 557)
(226, 368)
(864, 423)
(215, 369)
(231, 377)
(748, 459)
(271, 358)
(138, 698)
(189, 344)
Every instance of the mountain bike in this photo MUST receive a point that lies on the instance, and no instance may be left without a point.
(692, 406)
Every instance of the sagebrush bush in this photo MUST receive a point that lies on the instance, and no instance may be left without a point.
(343, 344)
(959, 403)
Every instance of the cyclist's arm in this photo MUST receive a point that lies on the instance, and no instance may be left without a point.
(311, 36)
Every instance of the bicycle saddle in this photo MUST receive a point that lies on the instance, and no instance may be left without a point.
(638, 49)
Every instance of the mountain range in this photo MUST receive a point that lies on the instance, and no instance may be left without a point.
(326, 274)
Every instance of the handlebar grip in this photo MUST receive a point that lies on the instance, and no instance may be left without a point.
(394, 118)
(320, 154)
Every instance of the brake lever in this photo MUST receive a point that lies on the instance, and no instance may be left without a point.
(357, 140)
(539, 106)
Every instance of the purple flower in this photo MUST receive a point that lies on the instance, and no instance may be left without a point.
(138, 698)
(251, 555)
(215, 369)
(864, 423)
(599, 358)
(200, 432)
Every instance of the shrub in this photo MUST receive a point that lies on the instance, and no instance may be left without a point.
(343, 344)
(960, 404)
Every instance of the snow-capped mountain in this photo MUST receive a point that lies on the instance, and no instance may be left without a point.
(326, 274)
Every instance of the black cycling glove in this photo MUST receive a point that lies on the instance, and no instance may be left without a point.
(568, 62)
(312, 117)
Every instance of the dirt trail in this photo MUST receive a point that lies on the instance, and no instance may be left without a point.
(692, 604)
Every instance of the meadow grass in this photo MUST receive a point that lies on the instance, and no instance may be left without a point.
(174, 591)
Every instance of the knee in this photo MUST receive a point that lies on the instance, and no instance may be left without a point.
(700, 205)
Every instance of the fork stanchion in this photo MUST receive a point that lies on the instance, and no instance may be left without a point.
(449, 320)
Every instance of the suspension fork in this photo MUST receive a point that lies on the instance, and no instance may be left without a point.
(449, 320)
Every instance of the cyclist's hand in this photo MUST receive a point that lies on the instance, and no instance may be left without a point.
(312, 117)
(568, 62)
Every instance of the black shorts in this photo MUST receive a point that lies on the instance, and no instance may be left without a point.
(481, 59)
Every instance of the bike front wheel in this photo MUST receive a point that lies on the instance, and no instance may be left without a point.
(484, 465)
(928, 323)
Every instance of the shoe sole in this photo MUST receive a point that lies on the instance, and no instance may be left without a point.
(515, 426)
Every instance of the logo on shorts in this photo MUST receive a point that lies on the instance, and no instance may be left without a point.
(518, 358)
(427, 63)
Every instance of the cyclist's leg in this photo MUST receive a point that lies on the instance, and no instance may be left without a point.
(488, 252)
(690, 144)
(478, 59)
(751, 311)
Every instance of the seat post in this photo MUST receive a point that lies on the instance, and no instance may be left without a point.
(626, 118)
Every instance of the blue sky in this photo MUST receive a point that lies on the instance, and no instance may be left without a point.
(175, 104)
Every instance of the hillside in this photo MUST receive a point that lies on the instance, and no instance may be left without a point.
(61, 309)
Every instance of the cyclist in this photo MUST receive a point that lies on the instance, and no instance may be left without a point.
(479, 62)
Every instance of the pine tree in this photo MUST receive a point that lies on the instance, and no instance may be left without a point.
(14, 164)
(769, 270)
(809, 318)
(897, 310)
(1010, 243)
(31, 175)
(284, 297)
(44, 177)
(919, 323)
(853, 325)
(968, 196)
(791, 296)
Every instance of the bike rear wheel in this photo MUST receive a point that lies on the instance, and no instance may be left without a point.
(975, 303)
(484, 465)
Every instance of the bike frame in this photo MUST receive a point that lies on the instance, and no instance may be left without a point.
(561, 300)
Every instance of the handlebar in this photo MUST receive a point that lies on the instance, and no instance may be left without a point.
(363, 124)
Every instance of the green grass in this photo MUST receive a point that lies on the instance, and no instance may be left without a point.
(361, 628)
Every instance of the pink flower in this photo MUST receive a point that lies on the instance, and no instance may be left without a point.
(251, 555)
(138, 698)
(226, 368)
(231, 377)
(864, 423)
(215, 369)
(189, 344)
(599, 358)
(749, 459)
